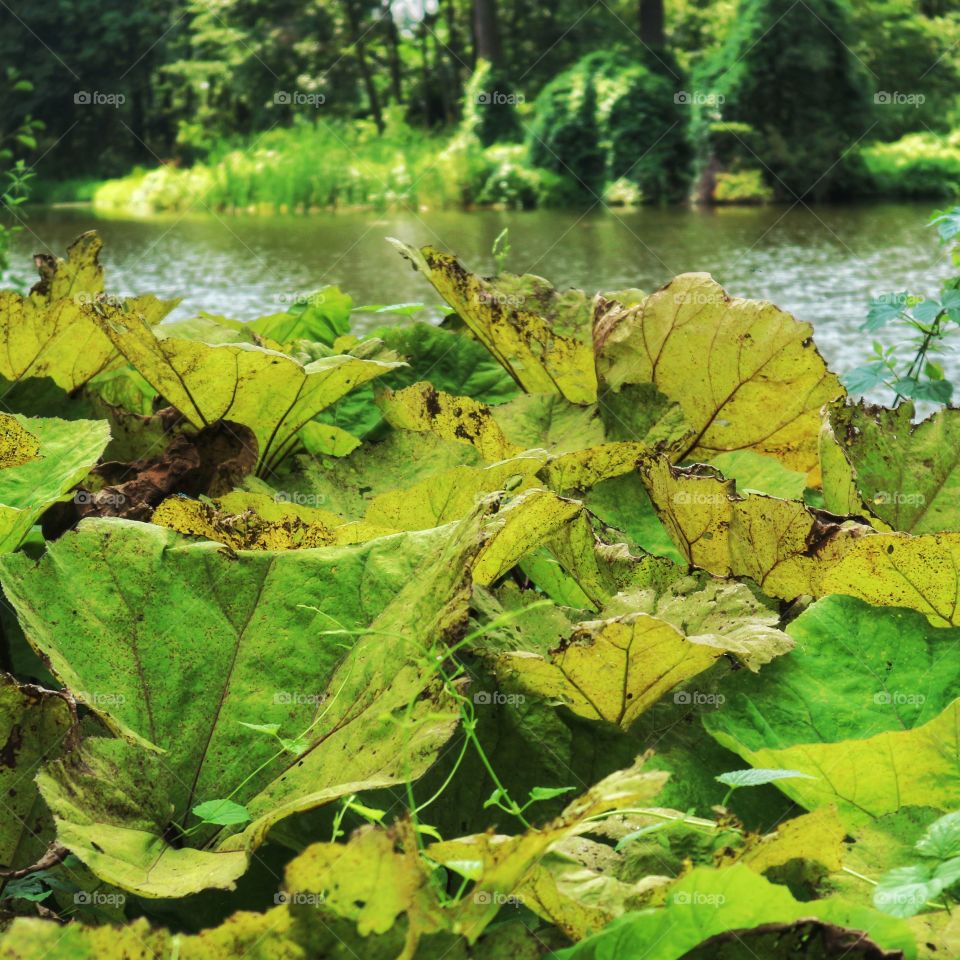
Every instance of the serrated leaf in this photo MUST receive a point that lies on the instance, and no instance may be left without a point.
(539, 335)
(746, 374)
(222, 812)
(269, 392)
(756, 776)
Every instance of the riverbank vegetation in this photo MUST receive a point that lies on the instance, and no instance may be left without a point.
(297, 107)
(509, 637)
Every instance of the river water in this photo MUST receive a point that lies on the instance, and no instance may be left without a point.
(821, 263)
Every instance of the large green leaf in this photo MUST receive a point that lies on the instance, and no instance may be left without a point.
(66, 453)
(52, 333)
(540, 336)
(347, 485)
(865, 705)
(707, 902)
(791, 550)
(259, 654)
(35, 725)
(906, 474)
(574, 436)
(271, 393)
(267, 649)
(746, 374)
(616, 668)
(452, 362)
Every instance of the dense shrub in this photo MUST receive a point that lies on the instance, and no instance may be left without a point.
(917, 165)
(788, 70)
(489, 107)
(609, 118)
(512, 182)
(915, 71)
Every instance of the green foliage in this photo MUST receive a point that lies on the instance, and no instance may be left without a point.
(910, 55)
(788, 71)
(490, 107)
(421, 678)
(920, 165)
(744, 186)
(609, 117)
(922, 324)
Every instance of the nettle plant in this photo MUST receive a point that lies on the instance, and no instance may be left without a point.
(465, 639)
(922, 326)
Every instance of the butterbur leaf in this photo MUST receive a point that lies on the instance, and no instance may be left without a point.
(422, 407)
(791, 550)
(864, 706)
(267, 614)
(372, 880)
(572, 435)
(756, 777)
(269, 648)
(758, 474)
(745, 373)
(223, 812)
(249, 521)
(321, 317)
(52, 331)
(35, 725)
(725, 613)
(708, 902)
(269, 392)
(906, 474)
(508, 862)
(540, 336)
(17, 445)
(55, 455)
(614, 669)
(813, 837)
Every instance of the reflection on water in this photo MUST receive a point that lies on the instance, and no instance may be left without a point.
(822, 264)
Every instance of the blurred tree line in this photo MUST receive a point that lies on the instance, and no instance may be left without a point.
(779, 86)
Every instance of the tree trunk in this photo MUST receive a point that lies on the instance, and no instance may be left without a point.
(651, 23)
(365, 73)
(393, 47)
(486, 31)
